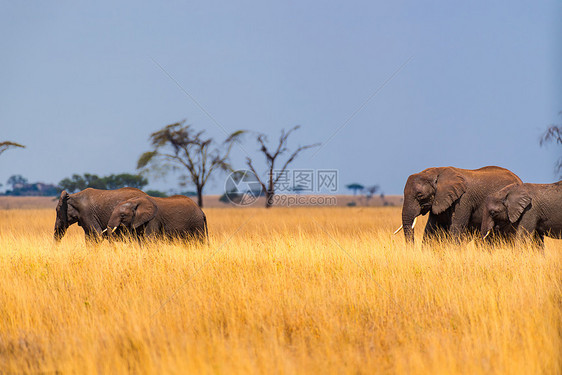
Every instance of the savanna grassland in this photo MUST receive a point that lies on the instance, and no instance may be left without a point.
(286, 290)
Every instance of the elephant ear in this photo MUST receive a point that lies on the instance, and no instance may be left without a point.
(450, 186)
(144, 212)
(516, 202)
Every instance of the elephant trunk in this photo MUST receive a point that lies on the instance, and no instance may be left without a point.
(60, 230)
(410, 211)
(61, 222)
(487, 224)
(112, 226)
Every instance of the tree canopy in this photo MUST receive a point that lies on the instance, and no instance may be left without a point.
(114, 181)
(21, 187)
(182, 147)
(355, 187)
(271, 155)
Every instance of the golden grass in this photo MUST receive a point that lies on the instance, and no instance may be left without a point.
(291, 291)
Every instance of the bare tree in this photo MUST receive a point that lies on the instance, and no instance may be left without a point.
(369, 191)
(553, 134)
(271, 158)
(180, 146)
(7, 144)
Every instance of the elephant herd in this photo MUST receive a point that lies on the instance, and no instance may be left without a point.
(110, 213)
(490, 201)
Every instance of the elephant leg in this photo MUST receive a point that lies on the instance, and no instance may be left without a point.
(538, 240)
(91, 236)
(433, 227)
(527, 229)
(152, 229)
(94, 234)
(503, 235)
(92, 241)
(460, 220)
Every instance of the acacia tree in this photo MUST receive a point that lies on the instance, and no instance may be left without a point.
(370, 191)
(271, 158)
(182, 147)
(7, 144)
(355, 187)
(553, 134)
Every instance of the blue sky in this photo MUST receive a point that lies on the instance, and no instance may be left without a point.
(79, 85)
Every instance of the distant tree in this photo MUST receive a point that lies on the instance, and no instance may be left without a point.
(355, 187)
(189, 193)
(94, 181)
(182, 147)
(370, 191)
(114, 181)
(156, 193)
(271, 158)
(73, 184)
(78, 183)
(553, 134)
(224, 198)
(7, 144)
(21, 187)
(230, 197)
(16, 180)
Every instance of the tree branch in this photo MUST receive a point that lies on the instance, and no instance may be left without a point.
(249, 163)
(292, 157)
(7, 144)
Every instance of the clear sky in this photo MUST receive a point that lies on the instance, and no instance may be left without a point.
(466, 84)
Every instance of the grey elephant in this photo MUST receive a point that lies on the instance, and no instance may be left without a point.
(91, 209)
(453, 197)
(527, 210)
(173, 217)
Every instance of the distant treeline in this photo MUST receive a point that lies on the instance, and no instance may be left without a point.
(113, 181)
(20, 186)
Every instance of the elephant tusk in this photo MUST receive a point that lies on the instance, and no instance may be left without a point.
(105, 230)
(487, 234)
(113, 230)
(413, 225)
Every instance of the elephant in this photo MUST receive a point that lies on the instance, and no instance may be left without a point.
(91, 209)
(529, 210)
(453, 197)
(173, 217)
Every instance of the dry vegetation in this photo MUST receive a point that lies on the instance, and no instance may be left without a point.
(309, 290)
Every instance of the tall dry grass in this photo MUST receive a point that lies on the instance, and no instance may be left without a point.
(293, 291)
